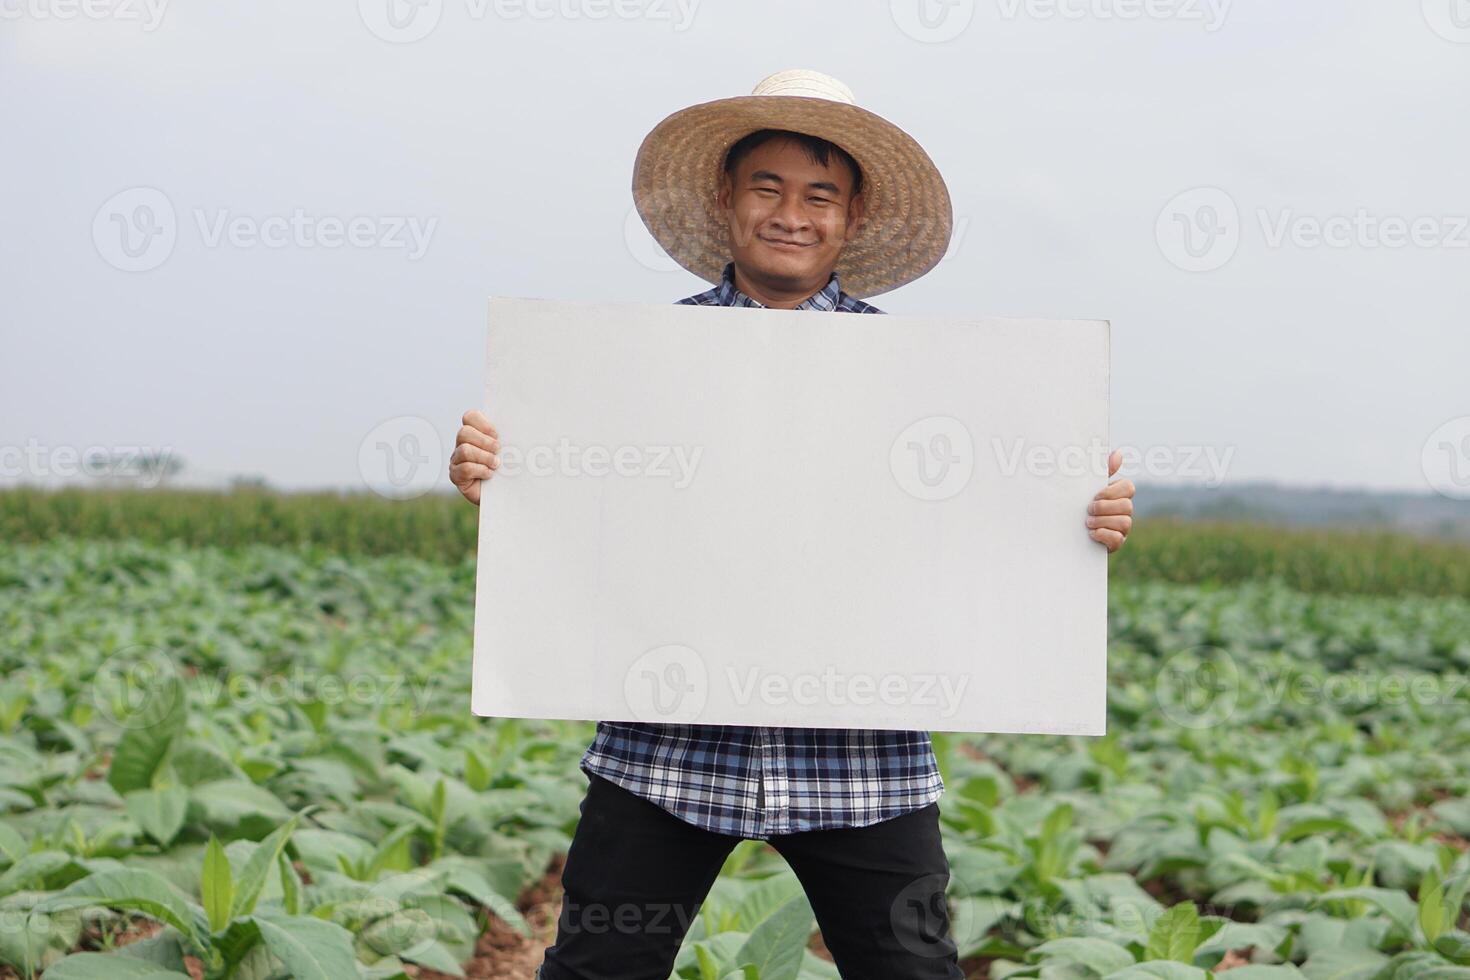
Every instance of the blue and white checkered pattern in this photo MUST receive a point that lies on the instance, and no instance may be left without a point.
(830, 297)
(755, 782)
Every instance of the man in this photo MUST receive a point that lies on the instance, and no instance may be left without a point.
(783, 199)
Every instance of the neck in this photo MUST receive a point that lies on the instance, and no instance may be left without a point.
(774, 296)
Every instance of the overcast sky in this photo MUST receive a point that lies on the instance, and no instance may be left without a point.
(1267, 199)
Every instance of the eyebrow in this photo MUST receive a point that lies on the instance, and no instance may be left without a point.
(819, 185)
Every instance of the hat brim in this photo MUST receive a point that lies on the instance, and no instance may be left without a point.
(908, 216)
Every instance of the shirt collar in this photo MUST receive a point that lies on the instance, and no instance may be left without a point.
(824, 299)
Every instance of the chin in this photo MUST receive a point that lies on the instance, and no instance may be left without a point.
(795, 267)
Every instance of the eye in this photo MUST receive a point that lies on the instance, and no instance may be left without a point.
(819, 200)
(766, 190)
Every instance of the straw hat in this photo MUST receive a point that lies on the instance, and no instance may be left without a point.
(676, 178)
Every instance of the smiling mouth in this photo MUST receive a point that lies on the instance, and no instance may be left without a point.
(785, 246)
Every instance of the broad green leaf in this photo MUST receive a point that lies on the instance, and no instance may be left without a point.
(311, 948)
(765, 898)
(159, 811)
(1396, 904)
(394, 852)
(239, 944)
(1344, 963)
(972, 917)
(775, 946)
(388, 968)
(133, 889)
(435, 956)
(454, 927)
(32, 871)
(1159, 970)
(400, 930)
(1420, 965)
(231, 803)
(110, 966)
(1096, 954)
(1175, 934)
(162, 949)
(149, 732)
(1239, 935)
(12, 845)
(476, 888)
(1320, 825)
(33, 940)
(1454, 946)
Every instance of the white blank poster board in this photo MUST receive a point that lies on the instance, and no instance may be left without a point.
(736, 516)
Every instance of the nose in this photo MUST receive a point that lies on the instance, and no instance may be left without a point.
(791, 216)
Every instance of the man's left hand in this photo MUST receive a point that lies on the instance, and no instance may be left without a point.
(1110, 515)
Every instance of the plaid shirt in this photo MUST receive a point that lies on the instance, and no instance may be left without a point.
(756, 782)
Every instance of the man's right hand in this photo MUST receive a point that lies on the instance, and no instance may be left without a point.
(476, 455)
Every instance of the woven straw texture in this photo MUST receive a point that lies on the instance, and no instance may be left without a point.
(676, 178)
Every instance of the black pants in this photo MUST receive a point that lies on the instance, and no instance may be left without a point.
(636, 875)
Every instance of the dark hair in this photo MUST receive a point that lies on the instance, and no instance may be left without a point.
(818, 151)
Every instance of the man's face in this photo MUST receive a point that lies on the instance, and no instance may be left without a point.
(788, 217)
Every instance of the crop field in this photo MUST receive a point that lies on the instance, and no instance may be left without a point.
(255, 758)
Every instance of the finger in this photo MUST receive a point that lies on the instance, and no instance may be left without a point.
(1123, 523)
(1109, 537)
(463, 474)
(1118, 488)
(1115, 460)
(465, 453)
(468, 479)
(475, 437)
(475, 417)
(1120, 506)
